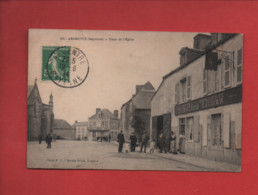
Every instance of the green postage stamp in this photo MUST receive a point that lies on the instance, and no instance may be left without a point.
(66, 66)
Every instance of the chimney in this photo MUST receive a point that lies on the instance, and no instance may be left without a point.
(116, 113)
(98, 110)
(201, 41)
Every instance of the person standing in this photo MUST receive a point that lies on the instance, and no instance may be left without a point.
(49, 140)
(133, 139)
(40, 139)
(109, 138)
(173, 143)
(144, 141)
(167, 140)
(120, 140)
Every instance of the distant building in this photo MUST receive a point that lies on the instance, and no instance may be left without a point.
(40, 115)
(135, 114)
(80, 130)
(63, 130)
(103, 124)
(201, 100)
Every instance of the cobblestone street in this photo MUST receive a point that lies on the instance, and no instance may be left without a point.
(103, 155)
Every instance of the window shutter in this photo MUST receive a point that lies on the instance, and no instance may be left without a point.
(208, 131)
(227, 72)
(188, 88)
(204, 81)
(196, 128)
(226, 129)
(177, 93)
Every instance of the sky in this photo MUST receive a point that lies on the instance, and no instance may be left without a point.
(116, 67)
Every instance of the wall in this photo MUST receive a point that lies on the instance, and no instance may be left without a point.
(164, 101)
(64, 134)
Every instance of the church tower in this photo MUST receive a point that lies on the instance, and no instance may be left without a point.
(51, 100)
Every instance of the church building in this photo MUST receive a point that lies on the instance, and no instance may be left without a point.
(40, 115)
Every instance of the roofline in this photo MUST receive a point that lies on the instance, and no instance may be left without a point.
(197, 57)
(35, 85)
(126, 103)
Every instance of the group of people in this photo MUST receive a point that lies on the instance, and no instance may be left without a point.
(48, 140)
(133, 141)
(166, 142)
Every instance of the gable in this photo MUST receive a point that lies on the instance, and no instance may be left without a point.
(33, 95)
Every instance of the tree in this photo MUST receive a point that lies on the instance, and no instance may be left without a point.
(139, 126)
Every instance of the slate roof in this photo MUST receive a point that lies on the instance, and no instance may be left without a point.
(82, 123)
(61, 124)
(105, 113)
(30, 88)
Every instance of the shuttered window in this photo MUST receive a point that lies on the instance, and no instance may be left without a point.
(227, 75)
(188, 88)
(239, 66)
(183, 90)
(216, 129)
(177, 93)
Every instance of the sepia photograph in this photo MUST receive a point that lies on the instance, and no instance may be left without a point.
(134, 100)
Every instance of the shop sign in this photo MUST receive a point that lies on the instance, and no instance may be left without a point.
(230, 96)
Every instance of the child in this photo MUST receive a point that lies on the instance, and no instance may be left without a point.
(152, 145)
(126, 147)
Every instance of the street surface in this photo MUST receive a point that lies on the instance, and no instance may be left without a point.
(100, 155)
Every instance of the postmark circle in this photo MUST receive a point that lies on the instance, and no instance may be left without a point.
(67, 67)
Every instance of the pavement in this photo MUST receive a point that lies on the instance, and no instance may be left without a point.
(103, 155)
(204, 163)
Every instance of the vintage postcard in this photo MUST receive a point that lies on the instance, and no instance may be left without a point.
(127, 100)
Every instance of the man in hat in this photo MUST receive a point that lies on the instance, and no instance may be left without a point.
(120, 140)
(133, 139)
(49, 140)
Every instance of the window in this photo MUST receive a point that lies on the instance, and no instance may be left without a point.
(216, 129)
(183, 90)
(94, 124)
(186, 126)
(227, 78)
(182, 126)
(102, 124)
(189, 128)
(188, 91)
(94, 134)
(183, 87)
(204, 81)
(239, 66)
(177, 93)
(183, 59)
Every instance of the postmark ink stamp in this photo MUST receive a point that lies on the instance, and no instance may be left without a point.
(65, 66)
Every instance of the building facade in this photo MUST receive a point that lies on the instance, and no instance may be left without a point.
(103, 125)
(135, 113)
(40, 116)
(81, 130)
(201, 100)
(63, 130)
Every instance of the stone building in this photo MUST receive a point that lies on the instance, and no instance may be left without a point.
(103, 124)
(201, 100)
(40, 115)
(63, 130)
(135, 113)
(81, 130)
